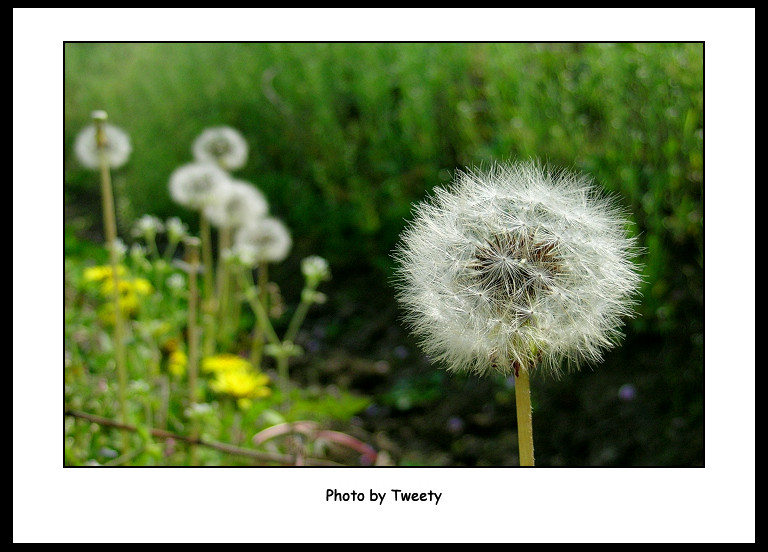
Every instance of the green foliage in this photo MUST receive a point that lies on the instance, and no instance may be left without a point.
(415, 391)
(157, 394)
(345, 137)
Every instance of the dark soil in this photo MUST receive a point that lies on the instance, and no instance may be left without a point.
(643, 406)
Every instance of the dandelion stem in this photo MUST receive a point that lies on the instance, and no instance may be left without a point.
(262, 318)
(264, 285)
(524, 416)
(223, 285)
(282, 371)
(209, 300)
(300, 314)
(192, 352)
(170, 249)
(110, 232)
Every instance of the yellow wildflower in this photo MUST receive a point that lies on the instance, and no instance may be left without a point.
(140, 286)
(177, 362)
(224, 362)
(241, 384)
(102, 272)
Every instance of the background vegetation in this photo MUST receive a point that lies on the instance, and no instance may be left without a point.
(346, 137)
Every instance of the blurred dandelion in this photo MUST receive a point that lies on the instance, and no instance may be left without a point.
(257, 244)
(514, 269)
(197, 185)
(270, 239)
(102, 147)
(238, 203)
(116, 146)
(222, 145)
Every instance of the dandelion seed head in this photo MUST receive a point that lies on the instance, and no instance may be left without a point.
(236, 204)
(222, 145)
(117, 146)
(197, 185)
(517, 263)
(269, 239)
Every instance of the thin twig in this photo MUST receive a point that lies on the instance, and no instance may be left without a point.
(285, 459)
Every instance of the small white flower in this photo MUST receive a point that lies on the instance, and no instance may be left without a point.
(315, 270)
(222, 145)
(138, 255)
(269, 237)
(117, 146)
(242, 254)
(147, 227)
(196, 185)
(236, 204)
(517, 265)
(176, 229)
(176, 282)
(120, 248)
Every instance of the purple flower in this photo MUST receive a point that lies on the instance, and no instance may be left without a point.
(627, 392)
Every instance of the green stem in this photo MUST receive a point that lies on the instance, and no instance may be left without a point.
(170, 249)
(153, 248)
(524, 416)
(299, 314)
(165, 405)
(110, 232)
(262, 318)
(257, 346)
(222, 285)
(264, 285)
(209, 299)
(192, 352)
(282, 371)
(236, 422)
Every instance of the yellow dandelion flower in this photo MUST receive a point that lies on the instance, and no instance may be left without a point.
(129, 304)
(177, 362)
(224, 362)
(140, 286)
(241, 384)
(102, 272)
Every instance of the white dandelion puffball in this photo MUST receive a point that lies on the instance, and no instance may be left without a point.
(117, 146)
(237, 203)
(517, 266)
(269, 238)
(197, 185)
(222, 145)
